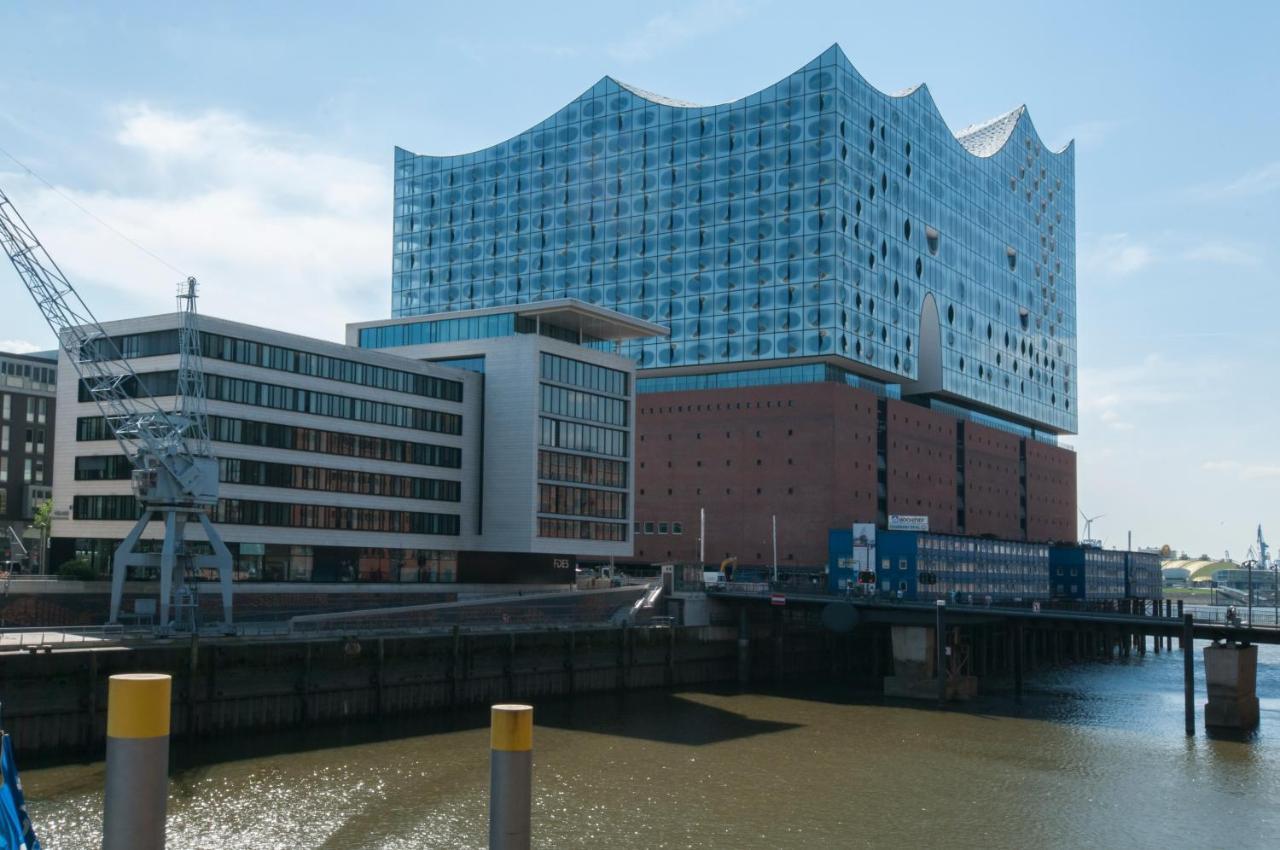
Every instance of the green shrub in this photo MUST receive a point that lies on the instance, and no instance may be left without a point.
(77, 569)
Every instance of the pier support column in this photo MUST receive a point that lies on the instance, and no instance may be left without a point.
(916, 669)
(1189, 673)
(940, 642)
(744, 647)
(1231, 674)
(1017, 663)
(913, 663)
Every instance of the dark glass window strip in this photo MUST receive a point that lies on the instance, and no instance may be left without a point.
(469, 327)
(227, 429)
(583, 405)
(439, 330)
(574, 529)
(578, 501)
(564, 370)
(284, 515)
(258, 473)
(35, 374)
(266, 356)
(276, 397)
(103, 468)
(582, 470)
(582, 438)
(809, 373)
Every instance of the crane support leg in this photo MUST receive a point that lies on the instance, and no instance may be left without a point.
(222, 561)
(120, 564)
(167, 560)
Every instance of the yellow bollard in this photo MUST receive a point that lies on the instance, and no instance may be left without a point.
(510, 776)
(137, 761)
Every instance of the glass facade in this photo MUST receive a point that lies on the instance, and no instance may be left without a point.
(1088, 574)
(947, 565)
(470, 327)
(557, 466)
(260, 394)
(259, 473)
(808, 373)
(227, 429)
(818, 217)
(292, 562)
(265, 356)
(282, 515)
(573, 396)
(1143, 577)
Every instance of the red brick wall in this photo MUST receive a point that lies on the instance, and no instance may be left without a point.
(991, 488)
(922, 464)
(805, 452)
(1051, 492)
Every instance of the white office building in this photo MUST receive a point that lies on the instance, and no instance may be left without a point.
(502, 456)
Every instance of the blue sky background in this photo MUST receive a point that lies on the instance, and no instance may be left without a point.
(252, 147)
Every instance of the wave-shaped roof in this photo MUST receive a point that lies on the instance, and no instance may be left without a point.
(656, 98)
(988, 137)
(983, 139)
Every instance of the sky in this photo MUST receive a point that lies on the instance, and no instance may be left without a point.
(251, 145)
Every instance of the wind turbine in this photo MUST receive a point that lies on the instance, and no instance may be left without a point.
(1088, 525)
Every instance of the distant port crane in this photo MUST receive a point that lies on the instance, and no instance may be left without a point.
(175, 472)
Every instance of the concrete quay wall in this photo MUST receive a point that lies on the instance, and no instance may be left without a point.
(55, 703)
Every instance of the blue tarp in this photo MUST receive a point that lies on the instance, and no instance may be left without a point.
(15, 827)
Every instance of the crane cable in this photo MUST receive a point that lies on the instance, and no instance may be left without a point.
(90, 214)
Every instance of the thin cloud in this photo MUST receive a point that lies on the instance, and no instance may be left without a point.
(1245, 471)
(18, 346)
(1115, 396)
(279, 230)
(674, 28)
(1260, 181)
(1113, 255)
(1222, 252)
(1089, 135)
(1119, 255)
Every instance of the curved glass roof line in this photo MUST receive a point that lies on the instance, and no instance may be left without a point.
(808, 219)
(983, 139)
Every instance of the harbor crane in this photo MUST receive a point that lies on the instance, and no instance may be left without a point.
(175, 472)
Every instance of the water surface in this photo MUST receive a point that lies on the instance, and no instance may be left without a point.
(1094, 757)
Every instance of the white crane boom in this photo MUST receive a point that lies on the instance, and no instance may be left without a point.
(175, 473)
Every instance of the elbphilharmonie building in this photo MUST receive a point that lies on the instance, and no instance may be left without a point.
(905, 292)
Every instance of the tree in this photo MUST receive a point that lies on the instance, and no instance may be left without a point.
(43, 520)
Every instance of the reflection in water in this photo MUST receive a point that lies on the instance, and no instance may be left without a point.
(1095, 757)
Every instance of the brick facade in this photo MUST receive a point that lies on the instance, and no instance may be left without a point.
(807, 453)
(992, 464)
(921, 456)
(1051, 492)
